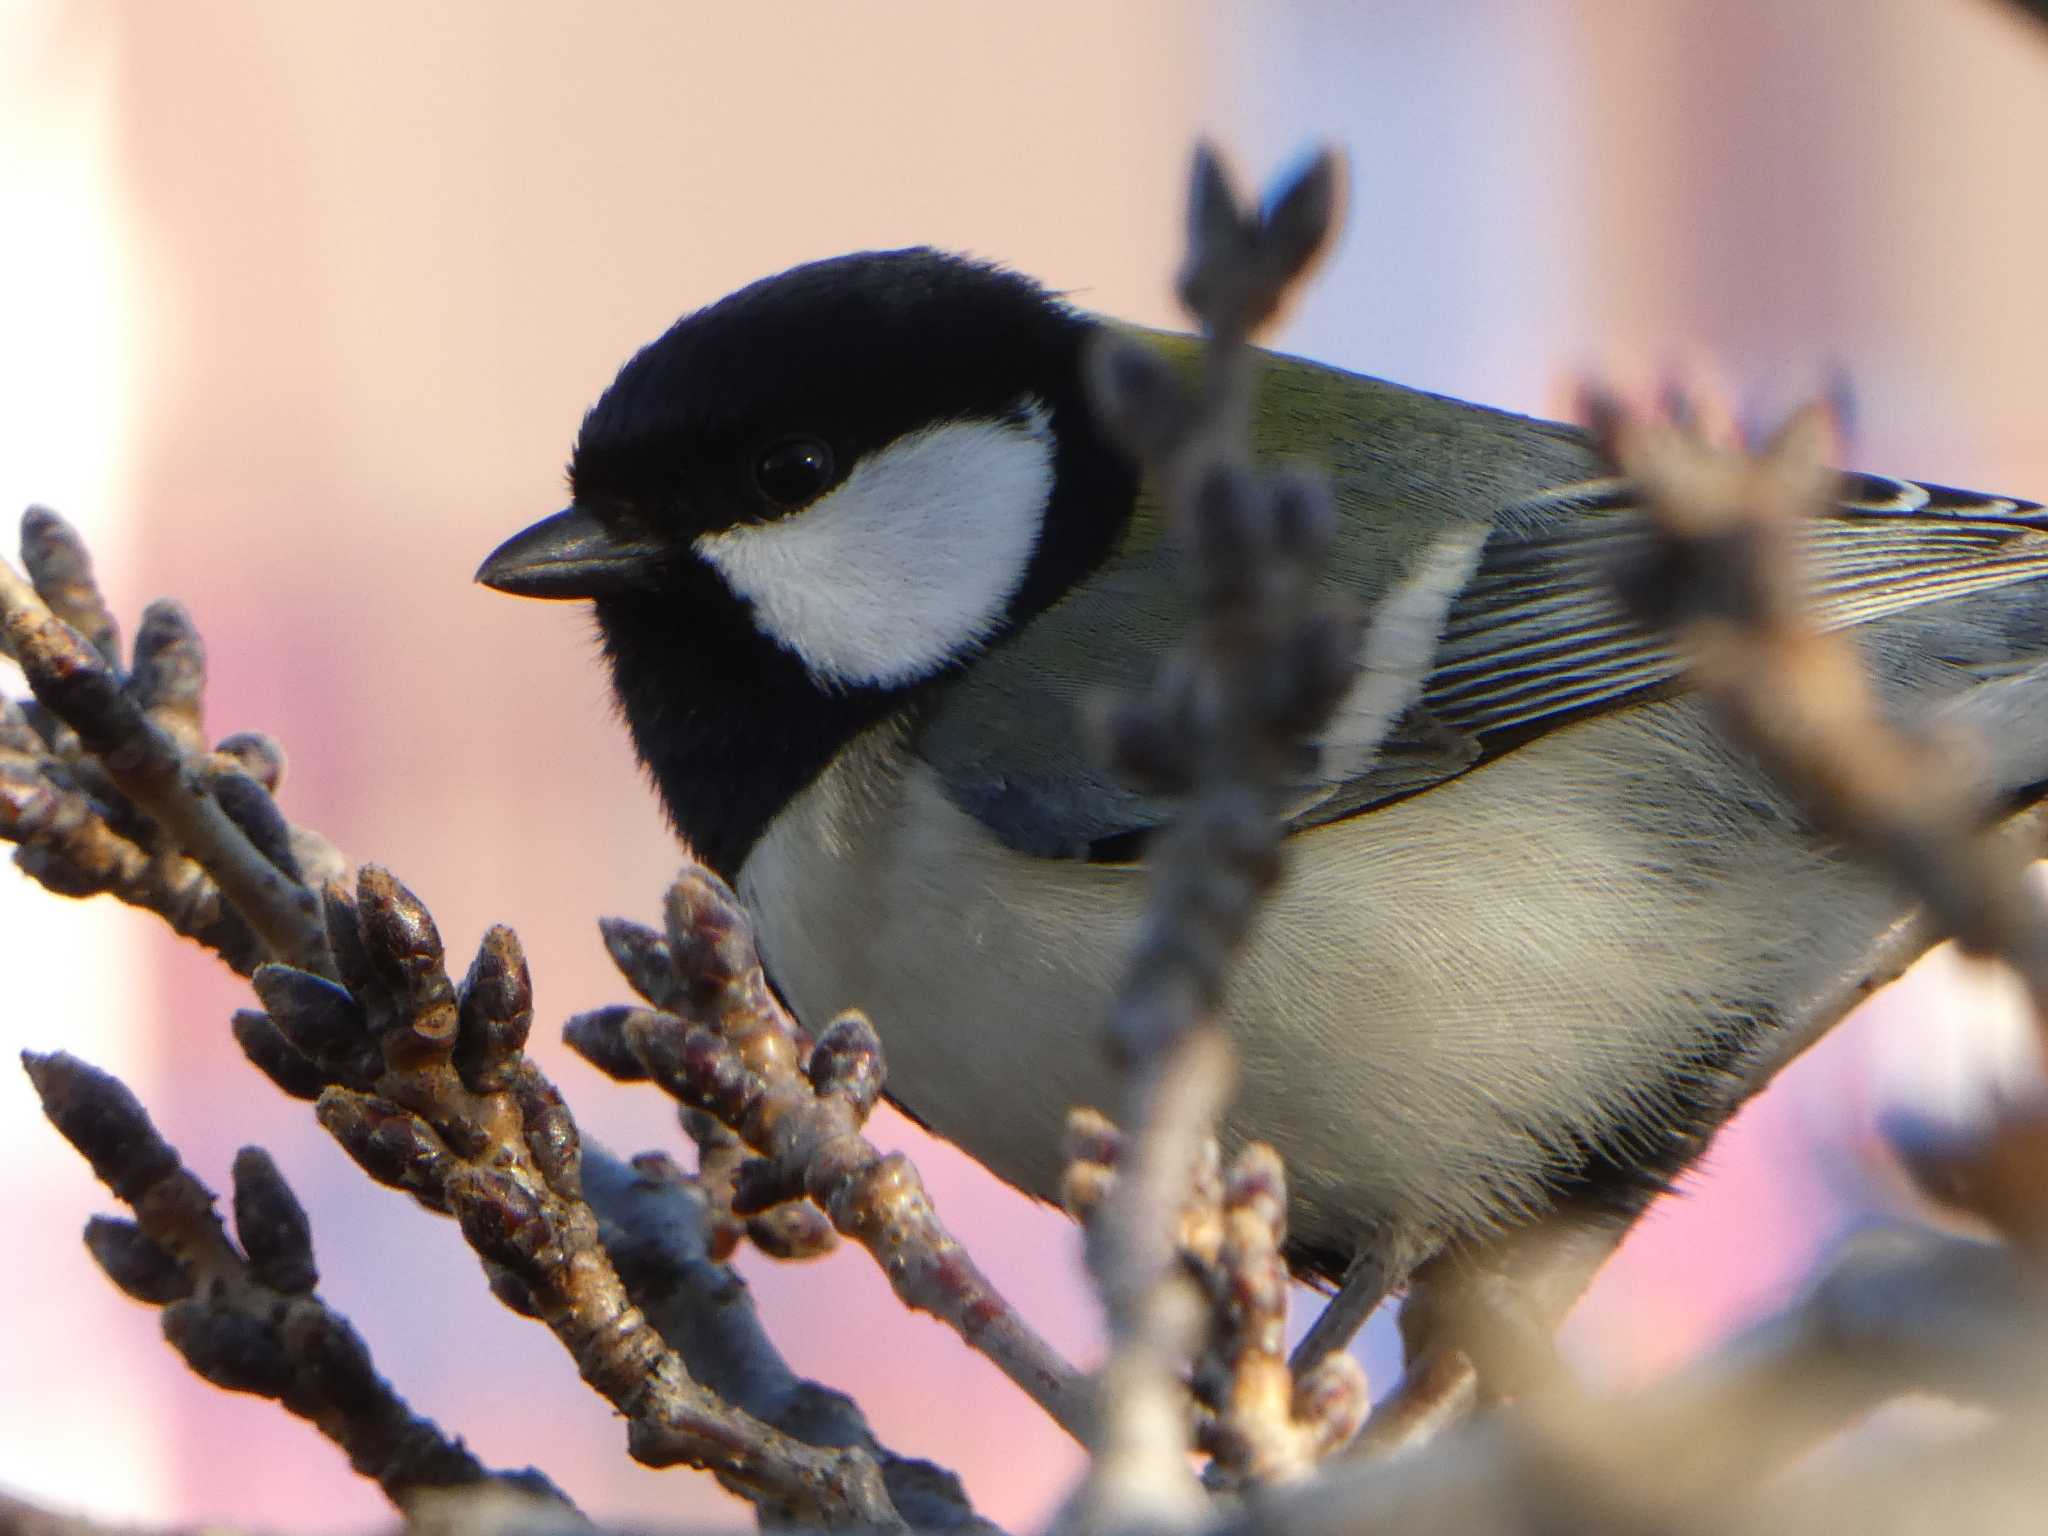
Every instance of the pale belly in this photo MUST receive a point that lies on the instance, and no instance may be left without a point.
(1446, 1000)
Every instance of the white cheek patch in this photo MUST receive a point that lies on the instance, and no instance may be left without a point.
(908, 564)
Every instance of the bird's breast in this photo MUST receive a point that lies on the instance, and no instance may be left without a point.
(1444, 1003)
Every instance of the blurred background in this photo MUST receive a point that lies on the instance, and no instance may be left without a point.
(299, 309)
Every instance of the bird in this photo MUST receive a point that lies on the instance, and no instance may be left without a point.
(858, 550)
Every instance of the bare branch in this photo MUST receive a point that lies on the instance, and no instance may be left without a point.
(720, 1043)
(428, 1088)
(426, 1084)
(1727, 577)
(1258, 1422)
(1264, 664)
(660, 1227)
(142, 734)
(246, 1320)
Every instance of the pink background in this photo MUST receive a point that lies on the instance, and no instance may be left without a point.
(302, 304)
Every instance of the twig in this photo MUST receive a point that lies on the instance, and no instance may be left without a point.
(1726, 577)
(1259, 1424)
(18, 1517)
(719, 1042)
(1263, 666)
(132, 731)
(247, 1320)
(1138, 1476)
(660, 1229)
(1898, 1312)
(426, 1085)
(793, 1230)
(429, 1089)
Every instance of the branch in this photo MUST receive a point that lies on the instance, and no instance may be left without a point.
(1726, 576)
(719, 1042)
(139, 737)
(661, 1228)
(426, 1085)
(1257, 1421)
(429, 1089)
(1266, 661)
(246, 1319)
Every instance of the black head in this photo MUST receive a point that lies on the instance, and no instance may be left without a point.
(806, 506)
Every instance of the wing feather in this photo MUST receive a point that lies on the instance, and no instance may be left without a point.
(1536, 636)
(1531, 640)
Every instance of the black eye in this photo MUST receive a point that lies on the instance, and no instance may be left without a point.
(793, 471)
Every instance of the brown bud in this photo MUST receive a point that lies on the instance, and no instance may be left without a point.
(708, 932)
(97, 1114)
(31, 805)
(398, 931)
(249, 806)
(1136, 396)
(345, 940)
(1302, 214)
(696, 1066)
(885, 1191)
(847, 1063)
(792, 1232)
(495, 1012)
(272, 1225)
(761, 1184)
(602, 1038)
(320, 862)
(258, 755)
(74, 683)
(276, 1057)
(61, 570)
(16, 734)
(1317, 665)
(1257, 1185)
(642, 956)
(1330, 1401)
(1219, 233)
(168, 678)
(1092, 1137)
(1228, 529)
(392, 1145)
(1140, 741)
(511, 1291)
(324, 1021)
(405, 951)
(550, 1134)
(1303, 515)
(1083, 1188)
(501, 1218)
(229, 1349)
(134, 1263)
(332, 1368)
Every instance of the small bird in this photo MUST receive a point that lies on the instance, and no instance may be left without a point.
(858, 551)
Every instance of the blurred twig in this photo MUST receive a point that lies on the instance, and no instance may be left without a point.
(1256, 1422)
(1725, 575)
(1265, 662)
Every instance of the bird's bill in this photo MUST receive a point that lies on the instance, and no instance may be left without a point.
(571, 554)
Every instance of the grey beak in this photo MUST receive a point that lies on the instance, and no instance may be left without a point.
(571, 554)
